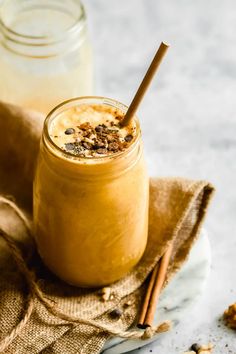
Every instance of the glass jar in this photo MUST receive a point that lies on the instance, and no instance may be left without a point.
(90, 214)
(45, 53)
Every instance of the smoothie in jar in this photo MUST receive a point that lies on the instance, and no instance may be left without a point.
(91, 193)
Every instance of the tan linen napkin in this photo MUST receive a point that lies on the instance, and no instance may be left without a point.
(27, 325)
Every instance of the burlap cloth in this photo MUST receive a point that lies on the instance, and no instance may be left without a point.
(31, 297)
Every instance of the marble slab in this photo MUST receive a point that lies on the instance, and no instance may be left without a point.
(177, 299)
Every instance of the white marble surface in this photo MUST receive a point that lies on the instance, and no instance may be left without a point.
(188, 120)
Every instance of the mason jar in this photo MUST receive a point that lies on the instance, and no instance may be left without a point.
(90, 213)
(45, 53)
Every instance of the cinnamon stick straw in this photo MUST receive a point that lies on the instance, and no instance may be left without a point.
(154, 289)
(145, 84)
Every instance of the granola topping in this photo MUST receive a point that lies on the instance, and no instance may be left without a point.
(92, 131)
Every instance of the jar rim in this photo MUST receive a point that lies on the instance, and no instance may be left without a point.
(99, 100)
(43, 40)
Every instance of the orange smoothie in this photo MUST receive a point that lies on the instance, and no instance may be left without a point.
(91, 193)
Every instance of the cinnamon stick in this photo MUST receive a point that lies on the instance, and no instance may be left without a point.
(147, 296)
(154, 289)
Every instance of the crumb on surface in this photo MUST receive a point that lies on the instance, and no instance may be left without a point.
(200, 349)
(230, 316)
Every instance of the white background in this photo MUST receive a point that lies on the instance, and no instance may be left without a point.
(188, 120)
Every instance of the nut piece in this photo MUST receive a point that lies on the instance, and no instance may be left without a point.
(195, 347)
(128, 304)
(205, 347)
(69, 146)
(69, 131)
(164, 327)
(116, 313)
(128, 138)
(106, 293)
(230, 316)
(200, 349)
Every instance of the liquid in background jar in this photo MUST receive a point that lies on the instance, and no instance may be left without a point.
(45, 53)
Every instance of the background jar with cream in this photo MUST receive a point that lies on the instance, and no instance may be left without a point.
(45, 53)
(90, 213)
